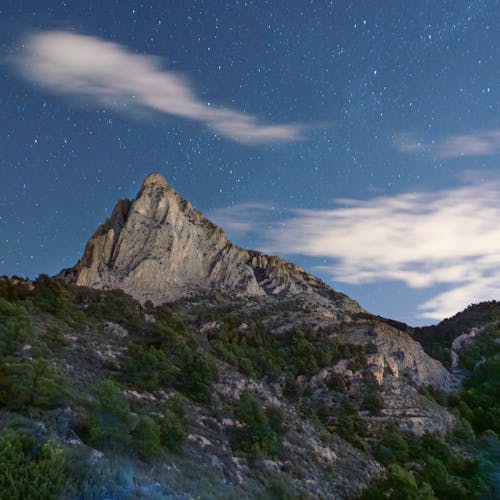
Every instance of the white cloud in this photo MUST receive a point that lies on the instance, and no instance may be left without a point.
(449, 237)
(481, 143)
(484, 143)
(408, 142)
(108, 73)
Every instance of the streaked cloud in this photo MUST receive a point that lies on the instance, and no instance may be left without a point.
(449, 237)
(485, 143)
(408, 142)
(109, 74)
(482, 143)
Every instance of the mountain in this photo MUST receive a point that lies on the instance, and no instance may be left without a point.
(170, 363)
(159, 248)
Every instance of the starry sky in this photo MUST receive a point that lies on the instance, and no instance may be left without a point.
(360, 140)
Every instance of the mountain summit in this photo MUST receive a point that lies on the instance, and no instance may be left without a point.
(159, 248)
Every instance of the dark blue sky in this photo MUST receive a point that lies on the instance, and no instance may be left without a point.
(393, 105)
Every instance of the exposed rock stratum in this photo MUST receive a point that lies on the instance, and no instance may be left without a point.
(159, 248)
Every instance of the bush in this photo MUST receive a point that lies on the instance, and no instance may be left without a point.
(258, 355)
(278, 489)
(15, 326)
(350, 426)
(373, 402)
(195, 374)
(392, 448)
(146, 437)
(398, 484)
(173, 427)
(262, 429)
(337, 382)
(37, 384)
(110, 419)
(112, 425)
(29, 470)
(147, 368)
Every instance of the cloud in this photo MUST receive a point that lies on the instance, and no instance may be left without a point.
(408, 142)
(449, 238)
(483, 143)
(109, 74)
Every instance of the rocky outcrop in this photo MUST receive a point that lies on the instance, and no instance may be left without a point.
(159, 248)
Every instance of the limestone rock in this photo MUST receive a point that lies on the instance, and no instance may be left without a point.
(159, 248)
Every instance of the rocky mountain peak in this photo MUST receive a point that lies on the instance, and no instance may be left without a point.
(154, 179)
(158, 247)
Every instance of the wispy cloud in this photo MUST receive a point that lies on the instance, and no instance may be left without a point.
(109, 74)
(485, 143)
(408, 142)
(482, 143)
(449, 237)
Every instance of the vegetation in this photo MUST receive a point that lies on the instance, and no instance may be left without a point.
(38, 328)
(262, 428)
(480, 400)
(173, 427)
(258, 354)
(438, 467)
(429, 467)
(350, 426)
(29, 469)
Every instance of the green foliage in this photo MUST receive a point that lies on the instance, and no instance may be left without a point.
(257, 353)
(398, 484)
(482, 396)
(440, 471)
(373, 401)
(262, 428)
(29, 470)
(195, 374)
(145, 437)
(15, 326)
(392, 448)
(147, 368)
(111, 424)
(173, 427)
(278, 489)
(35, 383)
(110, 420)
(115, 306)
(350, 426)
(52, 295)
(178, 362)
(337, 382)
(168, 354)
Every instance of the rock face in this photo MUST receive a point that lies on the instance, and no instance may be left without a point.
(159, 248)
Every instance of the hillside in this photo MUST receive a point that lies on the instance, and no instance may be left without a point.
(169, 363)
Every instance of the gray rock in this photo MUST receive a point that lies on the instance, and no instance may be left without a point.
(159, 248)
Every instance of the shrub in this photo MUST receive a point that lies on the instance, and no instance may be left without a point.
(262, 429)
(110, 419)
(146, 437)
(173, 427)
(112, 425)
(195, 374)
(373, 402)
(337, 382)
(391, 448)
(278, 489)
(29, 470)
(398, 484)
(350, 426)
(37, 384)
(15, 326)
(147, 368)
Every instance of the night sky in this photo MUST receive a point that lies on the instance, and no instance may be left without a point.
(360, 140)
